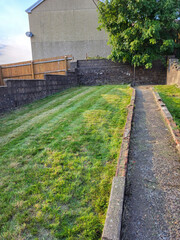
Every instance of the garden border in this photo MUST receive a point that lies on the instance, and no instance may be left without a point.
(112, 227)
(168, 119)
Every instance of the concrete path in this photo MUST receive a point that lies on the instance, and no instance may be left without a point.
(152, 197)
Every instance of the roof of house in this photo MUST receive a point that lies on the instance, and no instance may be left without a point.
(36, 4)
(29, 10)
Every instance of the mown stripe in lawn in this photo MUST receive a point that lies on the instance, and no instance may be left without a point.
(42, 118)
(62, 190)
(26, 113)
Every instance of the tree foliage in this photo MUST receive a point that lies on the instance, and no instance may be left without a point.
(140, 31)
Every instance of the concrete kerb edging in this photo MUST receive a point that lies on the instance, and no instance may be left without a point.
(168, 118)
(112, 227)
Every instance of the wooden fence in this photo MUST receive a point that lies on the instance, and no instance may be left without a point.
(35, 69)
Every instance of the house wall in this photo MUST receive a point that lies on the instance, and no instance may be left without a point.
(173, 72)
(63, 27)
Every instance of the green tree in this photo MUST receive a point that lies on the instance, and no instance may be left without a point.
(140, 31)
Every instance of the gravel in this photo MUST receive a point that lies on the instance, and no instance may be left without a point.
(152, 194)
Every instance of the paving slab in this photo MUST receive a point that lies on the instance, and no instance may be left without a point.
(152, 194)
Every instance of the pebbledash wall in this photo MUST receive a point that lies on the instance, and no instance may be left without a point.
(83, 72)
(173, 72)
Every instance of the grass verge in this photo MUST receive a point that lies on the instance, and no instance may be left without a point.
(57, 160)
(171, 97)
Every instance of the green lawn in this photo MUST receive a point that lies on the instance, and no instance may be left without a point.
(57, 160)
(171, 97)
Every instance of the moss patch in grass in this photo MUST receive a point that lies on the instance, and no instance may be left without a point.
(57, 160)
(171, 97)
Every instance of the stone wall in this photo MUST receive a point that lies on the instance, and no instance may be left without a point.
(19, 92)
(85, 72)
(173, 72)
(99, 72)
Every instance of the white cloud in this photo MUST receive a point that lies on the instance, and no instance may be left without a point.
(15, 49)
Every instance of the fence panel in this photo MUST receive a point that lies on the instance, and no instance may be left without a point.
(35, 69)
(1, 79)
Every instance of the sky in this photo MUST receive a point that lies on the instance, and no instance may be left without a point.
(14, 45)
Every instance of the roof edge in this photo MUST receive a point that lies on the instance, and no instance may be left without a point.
(29, 10)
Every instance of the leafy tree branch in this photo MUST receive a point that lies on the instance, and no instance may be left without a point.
(141, 31)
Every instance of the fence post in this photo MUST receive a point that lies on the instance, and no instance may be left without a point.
(66, 64)
(32, 70)
(1, 77)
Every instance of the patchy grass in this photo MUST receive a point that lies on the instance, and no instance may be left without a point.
(171, 97)
(57, 160)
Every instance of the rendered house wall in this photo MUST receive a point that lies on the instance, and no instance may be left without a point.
(63, 27)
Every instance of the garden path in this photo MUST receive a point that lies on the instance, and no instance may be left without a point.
(152, 195)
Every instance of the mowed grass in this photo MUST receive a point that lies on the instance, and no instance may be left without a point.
(171, 97)
(57, 160)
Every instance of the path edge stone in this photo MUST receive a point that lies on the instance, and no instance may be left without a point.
(112, 227)
(168, 119)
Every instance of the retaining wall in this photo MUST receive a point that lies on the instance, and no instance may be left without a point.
(19, 92)
(84, 72)
(99, 72)
(173, 72)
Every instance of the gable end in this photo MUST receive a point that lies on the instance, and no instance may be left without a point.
(36, 4)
